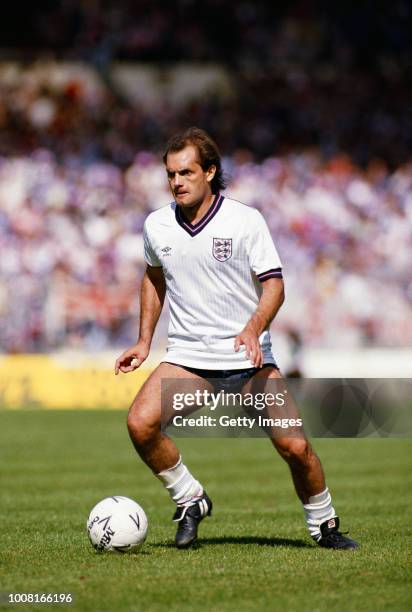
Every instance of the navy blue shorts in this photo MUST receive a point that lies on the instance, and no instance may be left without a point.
(227, 379)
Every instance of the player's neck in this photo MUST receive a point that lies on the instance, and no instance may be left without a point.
(195, 213)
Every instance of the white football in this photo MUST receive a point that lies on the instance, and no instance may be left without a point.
(117, 523)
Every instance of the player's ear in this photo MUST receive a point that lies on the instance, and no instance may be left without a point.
(210, 173)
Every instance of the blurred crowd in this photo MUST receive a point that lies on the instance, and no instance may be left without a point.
(71, 247)
(315, 125)
(304, 72)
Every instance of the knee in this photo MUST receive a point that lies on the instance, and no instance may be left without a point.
(295, 451)
(142, 427)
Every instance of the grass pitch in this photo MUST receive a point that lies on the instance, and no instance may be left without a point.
(253, 553)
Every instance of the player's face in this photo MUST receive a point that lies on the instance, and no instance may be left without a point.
(190, 184)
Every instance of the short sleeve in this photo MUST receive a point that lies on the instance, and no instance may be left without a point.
(263, 256)
(149, 253)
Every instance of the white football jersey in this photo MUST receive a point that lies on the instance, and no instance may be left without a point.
(213, 271)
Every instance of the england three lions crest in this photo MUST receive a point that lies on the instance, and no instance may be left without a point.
(222, 248)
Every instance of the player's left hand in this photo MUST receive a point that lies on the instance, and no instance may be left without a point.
(250, 340)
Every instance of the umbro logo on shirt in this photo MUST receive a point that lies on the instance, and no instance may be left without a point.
(222, 248)
(166, 250)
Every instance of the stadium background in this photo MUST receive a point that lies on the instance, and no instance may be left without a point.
(310, 102)
(312, 109)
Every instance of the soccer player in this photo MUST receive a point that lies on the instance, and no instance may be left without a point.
(215, 259)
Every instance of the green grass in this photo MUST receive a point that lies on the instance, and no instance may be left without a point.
(254, 553)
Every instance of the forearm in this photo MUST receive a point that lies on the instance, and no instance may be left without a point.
(153, 292)
(152, 297)
(271, 300)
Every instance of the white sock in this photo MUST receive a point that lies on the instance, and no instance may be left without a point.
(182, 487)
(317, 511)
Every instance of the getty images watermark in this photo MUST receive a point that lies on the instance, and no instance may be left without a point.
(225, 399)
(328, 408)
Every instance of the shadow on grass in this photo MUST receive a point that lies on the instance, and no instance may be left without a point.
(259, 541)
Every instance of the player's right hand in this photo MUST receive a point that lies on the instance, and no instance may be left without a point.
(132, 358)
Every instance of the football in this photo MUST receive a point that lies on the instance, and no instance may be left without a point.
(117, 524)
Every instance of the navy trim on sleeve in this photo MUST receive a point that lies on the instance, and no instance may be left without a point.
(273, 273)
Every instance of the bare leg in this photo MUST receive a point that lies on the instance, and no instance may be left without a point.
(156, 449)
(160, 453)
(304, 464)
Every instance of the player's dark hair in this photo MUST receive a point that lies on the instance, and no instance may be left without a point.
(207, 151)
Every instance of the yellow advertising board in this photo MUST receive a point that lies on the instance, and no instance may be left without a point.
(47, 381)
